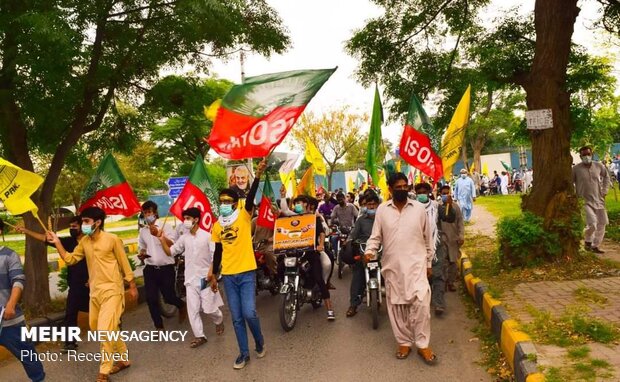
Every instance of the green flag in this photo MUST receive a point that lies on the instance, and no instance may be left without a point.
(506, 166)
(374, 139)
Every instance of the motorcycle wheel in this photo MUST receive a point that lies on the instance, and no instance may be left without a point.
(166, 310)
(288, 311)
(374, 307)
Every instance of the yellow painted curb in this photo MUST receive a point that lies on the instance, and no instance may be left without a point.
(471, 286)
(488, 302)
(535, 377)
(509, 338)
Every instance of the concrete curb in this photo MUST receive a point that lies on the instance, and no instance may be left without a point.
(516, 345)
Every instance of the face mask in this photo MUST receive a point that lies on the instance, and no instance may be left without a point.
(363, 210)
(150, 219)
(226, 209)
(188, 224)
(299, 208)
(74, 232)
(371, 212)
(422, 198)
(444, 198)
(587, 159)
(400, 195)
(463, 176)
(88, 229)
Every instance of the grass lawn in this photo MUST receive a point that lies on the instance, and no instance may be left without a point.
(501, 205)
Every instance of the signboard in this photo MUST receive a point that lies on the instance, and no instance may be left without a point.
(295, 232)
(539, 119)
(175, 186)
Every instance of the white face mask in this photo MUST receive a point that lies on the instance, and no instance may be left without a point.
(188, 224)
(587, 159)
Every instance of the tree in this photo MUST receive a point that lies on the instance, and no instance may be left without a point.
(334, 133)
(425, 45)
(356, 156)
(174, 107)
(64, 63)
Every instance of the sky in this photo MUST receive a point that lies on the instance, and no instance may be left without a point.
(318, 30)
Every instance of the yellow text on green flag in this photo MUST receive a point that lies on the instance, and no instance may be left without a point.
(452, 139)
(314, 157)
(16, 186)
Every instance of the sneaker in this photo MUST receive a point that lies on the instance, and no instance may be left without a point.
(260, 351)
(331, 316)
(596, 250)
(241, 361)
(439, 311)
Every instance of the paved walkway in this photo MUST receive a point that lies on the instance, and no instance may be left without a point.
(555, 296)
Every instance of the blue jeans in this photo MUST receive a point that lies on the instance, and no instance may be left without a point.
(241, 296)
(10, 338)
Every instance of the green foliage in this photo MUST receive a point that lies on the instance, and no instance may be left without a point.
(524, 241)
(217, 175)
(62, 283)
(579, 352)
(10, 219)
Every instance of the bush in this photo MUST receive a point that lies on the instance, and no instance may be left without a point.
(11, 219)
(524, 241)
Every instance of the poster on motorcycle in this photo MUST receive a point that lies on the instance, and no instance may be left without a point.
(295, 232)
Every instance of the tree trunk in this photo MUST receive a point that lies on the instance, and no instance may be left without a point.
(36, 295)
(330, 172)
(553, 196)
(464, 155)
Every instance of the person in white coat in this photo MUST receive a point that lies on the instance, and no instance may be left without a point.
(199, 249)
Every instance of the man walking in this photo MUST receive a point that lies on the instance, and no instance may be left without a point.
(159, 272)
(401, 227)
(77, 276)
(12, 280)
(465, 192)
(453, 231)
(592, 183)
(232, 234)
(108, 267)
(198, 248)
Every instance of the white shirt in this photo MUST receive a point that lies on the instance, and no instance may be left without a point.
(153, 246)
(199, 249)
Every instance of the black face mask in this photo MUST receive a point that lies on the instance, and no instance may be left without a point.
(74, 232)
(400, 195)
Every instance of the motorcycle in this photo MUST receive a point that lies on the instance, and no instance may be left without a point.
(264, 279)
(374, 298)
(342, 234)
(298, 287)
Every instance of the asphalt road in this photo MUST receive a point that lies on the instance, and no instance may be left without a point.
(347, 349)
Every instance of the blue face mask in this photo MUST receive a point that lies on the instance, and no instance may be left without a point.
(370, 212)
(87, 229)
(422, 198)
(226, 209)
(363, 210)
(444, 198)
(299, 208)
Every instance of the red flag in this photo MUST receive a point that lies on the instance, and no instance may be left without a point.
(415, 146)
(194, 195)
(266, 217)
(109, 190)
(254, 117)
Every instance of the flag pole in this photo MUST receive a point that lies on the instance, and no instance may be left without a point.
(36, 216)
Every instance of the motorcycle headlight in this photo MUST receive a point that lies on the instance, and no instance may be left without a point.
(290, 261)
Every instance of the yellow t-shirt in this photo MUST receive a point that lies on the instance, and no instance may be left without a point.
(236, 239)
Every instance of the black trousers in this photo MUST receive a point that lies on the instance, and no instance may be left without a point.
(156, 280)
(77, 300)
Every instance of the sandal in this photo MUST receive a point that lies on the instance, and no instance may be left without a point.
(219, 329)
(428, 356)
(119, 366)
(197, 342)
(102, 377)
(352, 311)
(403, 352)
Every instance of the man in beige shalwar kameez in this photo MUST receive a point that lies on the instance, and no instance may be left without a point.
(401, 227)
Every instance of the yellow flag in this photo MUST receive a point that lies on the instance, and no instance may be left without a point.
(350, 184)
(472, 167)
(398, 166)
(485, 169)
(452, 139)
(211, 111)
(16, 186)
(294, 184)
(314, 156)
(382, 184)
(306, 186)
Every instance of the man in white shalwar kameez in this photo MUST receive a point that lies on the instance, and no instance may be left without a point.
(199, 249)
(401, 228)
